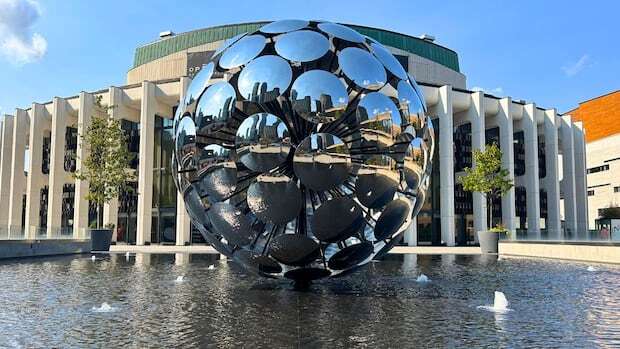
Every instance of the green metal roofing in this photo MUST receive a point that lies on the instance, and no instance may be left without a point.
(183, 41)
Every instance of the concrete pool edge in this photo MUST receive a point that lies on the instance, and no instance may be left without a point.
(11, 249)
(595, 252)
(582, 252)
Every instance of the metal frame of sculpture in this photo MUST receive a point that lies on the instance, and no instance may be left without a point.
(303, 149)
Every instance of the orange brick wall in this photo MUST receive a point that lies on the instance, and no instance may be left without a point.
(600, 116)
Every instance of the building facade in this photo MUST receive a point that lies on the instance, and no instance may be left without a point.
(544, 151)
(601, 117)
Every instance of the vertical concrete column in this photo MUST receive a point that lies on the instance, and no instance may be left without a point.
(568, 177)
(145, 171)
(446, 161)
(110, 209)
(581, 185)
(18, 179)
(183, 228)
(80, 217)
(36, 179)
(475, 114)
(552, 178)
(6, 158)
(57, 170)
(532, 185)
(506, 135)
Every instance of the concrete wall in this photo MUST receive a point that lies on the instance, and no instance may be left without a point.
(37, 248)
(175, 66)
(605, 151)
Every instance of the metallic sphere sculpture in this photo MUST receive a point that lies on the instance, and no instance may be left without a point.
(302, 149)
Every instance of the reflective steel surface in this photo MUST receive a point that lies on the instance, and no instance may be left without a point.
(305, 120)
(56, 303)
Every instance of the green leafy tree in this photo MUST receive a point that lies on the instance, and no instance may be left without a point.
(487, 176)
(106, 168)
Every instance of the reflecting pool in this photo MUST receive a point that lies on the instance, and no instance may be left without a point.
(199, 301)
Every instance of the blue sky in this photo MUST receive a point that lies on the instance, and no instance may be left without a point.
(554, 53)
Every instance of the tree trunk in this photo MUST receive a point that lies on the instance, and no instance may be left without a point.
(98, 216)
(490, 211)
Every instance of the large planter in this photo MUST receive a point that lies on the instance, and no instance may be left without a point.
(100, 239)
(488, 241)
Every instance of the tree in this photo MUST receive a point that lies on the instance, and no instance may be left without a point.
(487, 176)
(106, 167)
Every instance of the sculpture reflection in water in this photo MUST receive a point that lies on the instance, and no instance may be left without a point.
(310, 157)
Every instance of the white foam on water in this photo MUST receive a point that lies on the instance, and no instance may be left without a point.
(179, 279)
(211, 267)
(93, 258)
(104, 308)
(591, 268)
(423, 279)
(500, 304)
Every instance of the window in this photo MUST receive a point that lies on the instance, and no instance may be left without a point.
(598, 168)
(519, 153)
(404, 61)
(617, 189)
(71, 136)
(590, 192)
(462, 147)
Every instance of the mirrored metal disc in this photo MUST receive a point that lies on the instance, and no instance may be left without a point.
(195, 206)
(393, 219)
(389, 61)
(231, 223)
(186, 143)
(227, 43)
(274, 199)
(351, 256)
(362, 68)
(199, 83)
(216, 172)
(264, 79)
(302, 46)
(337, 220)
(341, 32)
(263, 142)
(294, 249)
(215, 107)
(379, 119)
(419, 91)
(260, 263)
(322, 161)
(410, 105)
(243, 51)
(413, 165)
(377, 181)
(283, 26)
(319, 96)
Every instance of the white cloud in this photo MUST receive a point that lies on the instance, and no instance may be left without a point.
(18, 43)
(575, 68)
(493, 91)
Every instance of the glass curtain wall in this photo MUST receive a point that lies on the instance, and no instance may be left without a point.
(163, 225)
(128, 199)
(429, 218)
(463, 201)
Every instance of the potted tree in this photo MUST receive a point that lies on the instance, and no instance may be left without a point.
(492, 181)
(106, 168)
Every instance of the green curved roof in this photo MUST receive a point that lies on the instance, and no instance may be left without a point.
(179, 42)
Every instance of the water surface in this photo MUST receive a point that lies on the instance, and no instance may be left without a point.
(57, 302)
